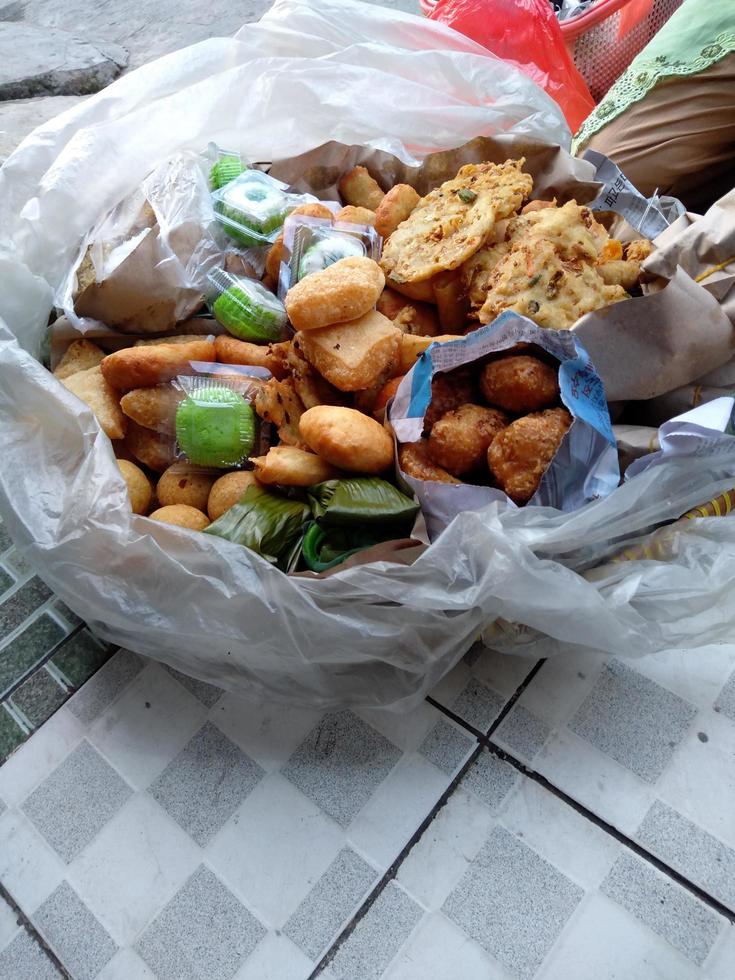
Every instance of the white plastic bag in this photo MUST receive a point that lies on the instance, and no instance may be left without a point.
(374, 634)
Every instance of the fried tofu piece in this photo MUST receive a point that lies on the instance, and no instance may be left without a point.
(519, 384)
(347, 439)
(571, 229)
(619, 272)
(639, 250)
(269, 356)
(520, 455)
(453, 221)
(140, 367)
(354, 355)
(395, 207)
(477, 271)
(355, 216)
(410, 316)
(275, 254)
(80, 355)
(292, 467)
(94, 390)
(345, 290)
(153, 408)
(152, 449)
(459, 440)
(358, 188)
(278, 403)
(532, 280)
(415, 462)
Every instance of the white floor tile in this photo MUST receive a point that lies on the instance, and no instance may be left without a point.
(40, 755)
(29, 868)
(268, 733)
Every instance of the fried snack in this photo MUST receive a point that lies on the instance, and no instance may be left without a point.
(619, 272)
(181, 515)
(354, 355)
(81, 355)
(182, 338)
(410, 316)
(347, 439)
(355, 216)
(395, 207)
(477, 271)
(414, 461)
(95, 391)
(410, 349)
(537, 205)
(150, 448)
(140, 490)
(277, 402)
(227, 491)
(639, 250)
(358, 188)
(452, 222)
(519, 384)
(572, 230)
(384, 396)
(345, 290)
(459, 440)
(140, 367)
(611, 251)
(451, 300)
(308, 384)
(183, 483)
(520, 455)
(270, 356)
(292, 467)
(275, 253)
(423, 292)
(534, 281)
(449, 390)
(153, 408)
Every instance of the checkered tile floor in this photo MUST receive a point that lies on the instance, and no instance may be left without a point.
(561, 821)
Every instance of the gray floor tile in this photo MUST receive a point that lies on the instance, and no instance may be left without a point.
(27, 649)
(725, 702)
(73, 804)
(203, 786)
(634, 720)
(478, 705)
(104, 686)
(70, 616)
(512, 902)
(24, 959)
(692, 851)
(522, 733)
(663, 906)
(77, 938)
(204, 933)
(208, 694)
(332, 899)
(21, 604)
(377, 937)
(39, 697)
(447, 746)
(18, 563)
(11, 734)
(490, 779)
(5, 539)
(340, 764)
(5, 581)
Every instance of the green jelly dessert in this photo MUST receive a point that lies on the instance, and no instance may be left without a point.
(252, 208)
(226, 169)
(328, 251)
(249, 311)
(215, 427)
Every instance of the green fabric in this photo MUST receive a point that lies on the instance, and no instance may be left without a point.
(698, 35)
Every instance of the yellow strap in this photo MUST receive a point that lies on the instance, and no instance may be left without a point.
(715, 268)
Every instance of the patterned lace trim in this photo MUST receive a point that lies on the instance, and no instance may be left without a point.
(641, 77)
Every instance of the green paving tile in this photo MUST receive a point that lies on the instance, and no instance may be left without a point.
(5, 541)
(11, 735)
(66, 612)
(5, 581)
(80, 657)
(27, 648)
(39, 697)
(21, 604)
(18, 563)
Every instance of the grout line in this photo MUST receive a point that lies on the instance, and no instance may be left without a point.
(33, 932)
(10, 691)
(611, 830)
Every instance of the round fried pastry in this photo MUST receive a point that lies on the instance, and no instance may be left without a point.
(345, 290)
(140, 490)
(520, 455)
(227, 491)
(449, 390)
(347, 439)
(459, 440)
(183, 483)
(519, 384)
(182, 515)
(415, 462)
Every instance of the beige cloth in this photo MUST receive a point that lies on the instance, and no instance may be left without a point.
(679, 138)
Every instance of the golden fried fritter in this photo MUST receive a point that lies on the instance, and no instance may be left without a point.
(345, 290)
(139, 367)
(352, 215)
(534, 281)
(271, 356)
(153, 408)
(152, 449)
(395, 207)
(619, 272)
(347, 439)
(358, 188)
(571, 229)
(449, 390)
(95, 391)
(459, 440)
(410, 316)
(292, 467)
(521, 454)
(81, 355)
(478, 269)
(519, 384)
(308, 384)
(277, 402)
(639, 250)
(414, 461)
(453, 221)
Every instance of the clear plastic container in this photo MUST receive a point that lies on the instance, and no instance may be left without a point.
(253, 207)
(245, 308)
(312, 244)
(226, 166)
(216, 425)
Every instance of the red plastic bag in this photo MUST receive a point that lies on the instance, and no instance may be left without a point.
(525, 33)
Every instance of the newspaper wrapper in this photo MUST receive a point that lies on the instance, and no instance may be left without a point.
(143, 268)
(585, 466)
(634, 441)
(641, 348)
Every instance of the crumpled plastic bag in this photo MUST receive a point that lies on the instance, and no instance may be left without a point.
(371, 634)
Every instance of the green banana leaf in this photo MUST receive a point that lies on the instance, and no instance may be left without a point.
(364, 501)
(267, 523)
(323, 549)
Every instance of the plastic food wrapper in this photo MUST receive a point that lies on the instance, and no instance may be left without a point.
(383, 628)
(224, 166)
(245, 308)
(252, 208)
(585, 466)
(312, 244)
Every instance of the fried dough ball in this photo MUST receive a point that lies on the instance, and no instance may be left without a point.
(448, 391)
(619, 272)
(183, 483)
(227, 491)
(182, 515)
(519, 384)
(414, 461)
(345, 290)
(520, 455)
(395, 207)
(140, 490)
(347, 439)
(460, 439)
(355, 216)
(358, 188)
(638, 250)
